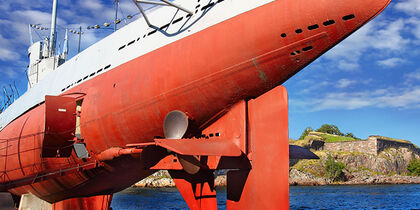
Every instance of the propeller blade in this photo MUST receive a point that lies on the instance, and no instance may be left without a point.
(189, 163)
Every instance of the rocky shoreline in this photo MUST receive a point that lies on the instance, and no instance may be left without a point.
(162, 179)
(296, 178)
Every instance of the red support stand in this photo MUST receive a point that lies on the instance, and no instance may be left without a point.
(266, 184)
(101, 202)
(197, 190)
(259, 178)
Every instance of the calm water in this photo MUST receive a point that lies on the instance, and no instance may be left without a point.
(324, 197)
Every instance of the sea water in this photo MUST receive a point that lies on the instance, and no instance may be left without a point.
(301, 197)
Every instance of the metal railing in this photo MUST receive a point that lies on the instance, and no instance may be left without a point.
(10, 95)
(161, 3)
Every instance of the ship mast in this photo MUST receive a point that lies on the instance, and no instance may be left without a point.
(53, 31)
(116, 15)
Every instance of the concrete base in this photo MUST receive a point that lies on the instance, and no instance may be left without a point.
(31, 202)
(6, 201)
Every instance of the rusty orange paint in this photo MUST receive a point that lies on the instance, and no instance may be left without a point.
(266, 185)
(59, 128)
(250, 54)
(101, 202)
(197, 190)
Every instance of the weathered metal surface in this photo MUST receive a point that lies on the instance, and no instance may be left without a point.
(100, 202)
(50, 174)
(197, 190)
(232, 125)
(60, 126)
(116, 152)
(208, 147)
(266, 185)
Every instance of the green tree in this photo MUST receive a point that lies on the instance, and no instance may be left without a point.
(331, 129)
(334, 169)
(414, 167)
(306, 132)
(351, 135)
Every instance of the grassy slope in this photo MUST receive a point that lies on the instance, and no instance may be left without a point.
(329, 138)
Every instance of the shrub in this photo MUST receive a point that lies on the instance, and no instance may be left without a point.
(331, 129)
(351, 135)
(414, 167)
(305, 133)
(334, 169)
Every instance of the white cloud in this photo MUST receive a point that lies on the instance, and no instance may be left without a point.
(410, 7)
(91, 4)
(383, 35)
(348, 65)
(405, 98)
(10, 73)
(344, 83)
(31, 16)
(8, 55)
(415, 28)
(391, 62)
(312, 86)
(390, 38)
(413, 75)
(25, 5)
(18, 24)
(353, 45)
(6, 52)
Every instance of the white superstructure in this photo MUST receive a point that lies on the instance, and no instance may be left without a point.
(42, 56)
(41, 63)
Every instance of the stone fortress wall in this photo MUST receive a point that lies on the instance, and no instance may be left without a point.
(373, 145)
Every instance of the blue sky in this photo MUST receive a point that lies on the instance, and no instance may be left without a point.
(368, 85)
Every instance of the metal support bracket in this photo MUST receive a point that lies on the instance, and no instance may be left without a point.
(161, 3)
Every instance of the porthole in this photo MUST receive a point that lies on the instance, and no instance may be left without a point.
(328, 22)
(207, 6)
(312, 27)
(130, 43)
(348, 17)
(307, 48)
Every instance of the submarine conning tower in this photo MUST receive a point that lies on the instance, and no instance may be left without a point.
(42, 55)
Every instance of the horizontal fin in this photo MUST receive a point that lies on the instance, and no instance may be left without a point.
(206, 147)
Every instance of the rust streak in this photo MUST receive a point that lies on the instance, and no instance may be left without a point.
(262, 74)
